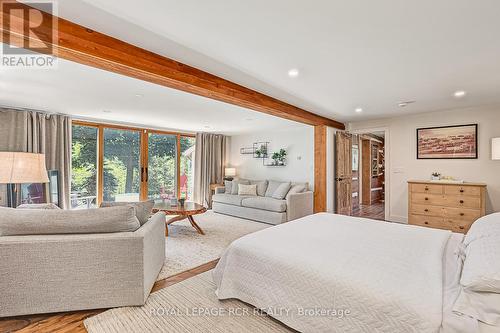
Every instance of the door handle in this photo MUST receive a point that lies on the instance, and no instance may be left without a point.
(339, 179)
(147, 174)
(142, 174)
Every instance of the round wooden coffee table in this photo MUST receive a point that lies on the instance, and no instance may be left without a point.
(182, 212)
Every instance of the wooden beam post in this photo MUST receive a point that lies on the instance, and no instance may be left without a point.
(320, 168)
(85, 46)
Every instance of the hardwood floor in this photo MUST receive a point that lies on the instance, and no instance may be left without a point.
(375, 211)
(73, 321)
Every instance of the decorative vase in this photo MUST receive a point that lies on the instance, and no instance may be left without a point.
(181, 202)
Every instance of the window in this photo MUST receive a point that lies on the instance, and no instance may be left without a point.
(84, 167)
(117, 163)
(162, 166)
(187, 167)
(122, 158)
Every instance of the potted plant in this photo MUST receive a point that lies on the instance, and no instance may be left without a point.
(435, 176)
(279, 157)
(263, 150)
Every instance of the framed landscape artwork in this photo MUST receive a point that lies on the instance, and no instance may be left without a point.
(449, 142)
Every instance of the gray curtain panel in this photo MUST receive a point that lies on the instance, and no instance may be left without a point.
(210, 159)
(38, 132)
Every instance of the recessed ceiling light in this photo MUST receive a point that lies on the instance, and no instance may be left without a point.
(403, 104)
(294, 72)
(139, 95)
(459, 93)
(358, 110)
(106, 111)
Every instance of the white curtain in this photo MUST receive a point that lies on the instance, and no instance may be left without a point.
(38, 132)
(210, 159)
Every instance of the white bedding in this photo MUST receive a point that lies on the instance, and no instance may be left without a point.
(388, 276)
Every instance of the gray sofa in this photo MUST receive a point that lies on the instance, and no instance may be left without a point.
(77, 269)
(275, 202)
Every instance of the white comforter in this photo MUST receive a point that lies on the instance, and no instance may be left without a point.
(332, 273)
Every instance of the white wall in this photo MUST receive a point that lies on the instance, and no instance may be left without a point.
(299, 143)
(403, 164)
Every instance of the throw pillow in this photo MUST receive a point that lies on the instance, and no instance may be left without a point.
(143, 209)
(234, 189)
(261, 186)
(247, 189)
(281, 191)
(297, 188)
(38, 206)
(228, 185)
(271, 188)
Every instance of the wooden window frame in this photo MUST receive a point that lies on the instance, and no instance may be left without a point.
(144, 148)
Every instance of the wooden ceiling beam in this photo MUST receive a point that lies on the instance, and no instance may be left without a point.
(85, 46)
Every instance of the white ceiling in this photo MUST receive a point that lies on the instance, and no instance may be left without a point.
(91, 93)
(369, 54)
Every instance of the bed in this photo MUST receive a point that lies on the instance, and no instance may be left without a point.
(334, 273)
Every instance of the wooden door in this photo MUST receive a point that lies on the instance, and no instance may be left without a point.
(343, 173)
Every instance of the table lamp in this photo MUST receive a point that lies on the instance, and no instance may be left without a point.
(21, 168)
(495, 149)
(229, 173)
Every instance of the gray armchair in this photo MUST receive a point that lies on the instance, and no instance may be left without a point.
(66, 272)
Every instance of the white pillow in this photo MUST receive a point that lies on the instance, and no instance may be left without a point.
(481, 270)
(247, 189)
(236, 182)
(484, 307)
(486, 226)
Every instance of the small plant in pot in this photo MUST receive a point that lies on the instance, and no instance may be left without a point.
(436, 176)
(182, 201)
(279, 157)
(261, 152)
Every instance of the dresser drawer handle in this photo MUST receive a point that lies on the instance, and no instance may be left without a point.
(426, 188)
(462, 191)
(462, 227)
(427, 199)
(426, 210)
(462, 214)
(461, 201)
(426, 222)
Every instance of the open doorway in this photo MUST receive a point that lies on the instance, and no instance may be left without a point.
(368, 175)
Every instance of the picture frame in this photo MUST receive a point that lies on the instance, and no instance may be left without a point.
(355, 157)
(447, 142)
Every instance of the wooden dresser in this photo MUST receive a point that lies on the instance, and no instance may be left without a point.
(445, 205)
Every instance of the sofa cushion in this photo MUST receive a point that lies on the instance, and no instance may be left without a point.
(236, 182)
(297, 188)
(271, 187)
(143, 209)
(261, 186)
(230, 199)
(265, 203)
(281, 191)
(38, 206)
(247, 190)
(228, 186)
(58, 221)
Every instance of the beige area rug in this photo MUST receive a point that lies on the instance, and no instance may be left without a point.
(187, 249)
(188, 306)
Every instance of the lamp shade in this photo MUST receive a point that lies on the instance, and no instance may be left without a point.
(495, 149)
(230, 172)
(22, 168)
